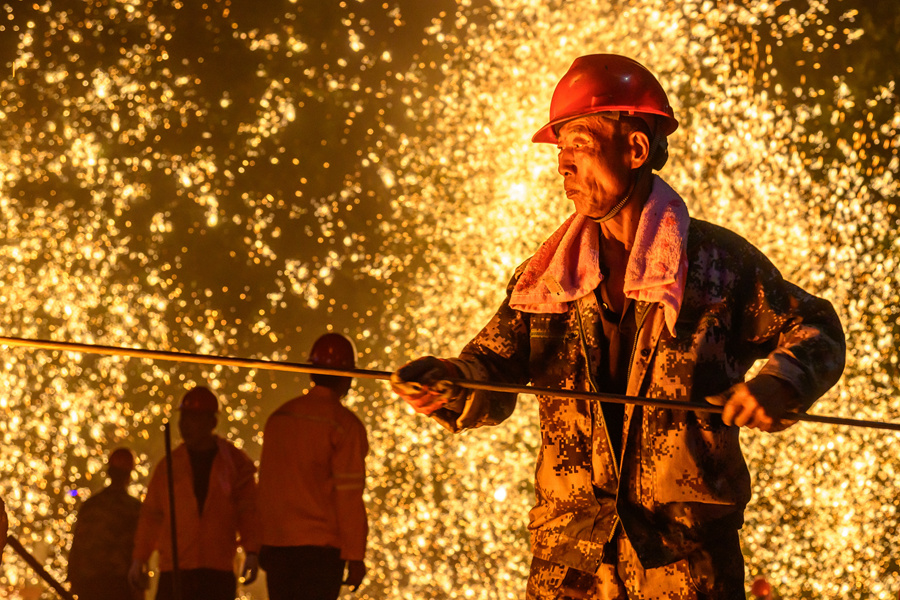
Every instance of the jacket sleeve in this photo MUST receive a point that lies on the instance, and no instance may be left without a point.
(799, 334)
(348, 466)
(152, 516)
(499, 353)
(245, 499)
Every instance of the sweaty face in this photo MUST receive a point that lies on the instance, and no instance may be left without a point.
(594, 161)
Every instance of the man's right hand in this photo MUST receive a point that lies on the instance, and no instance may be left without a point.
(423, 384)
(137, 575)
(356, 571)
(760, 403)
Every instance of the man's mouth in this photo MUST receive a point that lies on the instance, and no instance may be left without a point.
(570, 192)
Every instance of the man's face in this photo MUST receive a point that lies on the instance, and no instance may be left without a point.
(197, 428)
(594, 161)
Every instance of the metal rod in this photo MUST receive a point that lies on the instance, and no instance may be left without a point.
(38, 568)
(186, 357)
(271, 365)
(659, 403)
(173, 528)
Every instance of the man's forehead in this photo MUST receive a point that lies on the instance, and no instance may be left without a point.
(590, 125)
(576, 126)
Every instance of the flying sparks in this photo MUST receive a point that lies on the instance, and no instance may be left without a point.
(234, 177)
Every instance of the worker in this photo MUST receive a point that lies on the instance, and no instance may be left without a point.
(103, 538)
(215, 510)
(311, 484)
(633, 296)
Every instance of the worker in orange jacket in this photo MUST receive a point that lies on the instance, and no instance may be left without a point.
(311, 482)
(215, 500)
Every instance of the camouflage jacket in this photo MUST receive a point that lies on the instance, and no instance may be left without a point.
(682, 476)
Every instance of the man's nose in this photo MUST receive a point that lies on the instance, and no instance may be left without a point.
(566, 166)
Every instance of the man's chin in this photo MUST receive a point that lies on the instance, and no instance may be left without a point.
(590, 214)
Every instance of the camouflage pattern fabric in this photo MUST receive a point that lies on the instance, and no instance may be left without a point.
(682, 476)
(716, 575)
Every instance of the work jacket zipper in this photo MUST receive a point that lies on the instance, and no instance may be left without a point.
(590, 369)
(642, 310)
(593, 384)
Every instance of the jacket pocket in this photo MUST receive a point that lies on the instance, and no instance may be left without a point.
(697, 460)
(551, 343)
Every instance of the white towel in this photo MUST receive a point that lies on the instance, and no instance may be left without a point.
(566, 266)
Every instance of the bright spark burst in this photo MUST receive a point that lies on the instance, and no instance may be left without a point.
(229, 179)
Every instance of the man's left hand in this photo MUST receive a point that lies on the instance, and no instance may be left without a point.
(356, 572)
(423, 384)
(251, 568)
(758, 404)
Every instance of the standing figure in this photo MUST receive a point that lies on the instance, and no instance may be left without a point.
(633, 296)
(215, 510)
(311, 481)
(103, 538)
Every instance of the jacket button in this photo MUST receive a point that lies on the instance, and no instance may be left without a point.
(645, 352)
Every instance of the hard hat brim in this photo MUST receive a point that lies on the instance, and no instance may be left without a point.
(547, 133)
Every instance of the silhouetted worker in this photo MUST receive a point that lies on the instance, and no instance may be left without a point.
(215, 501)
(103, 539)
(311, 480)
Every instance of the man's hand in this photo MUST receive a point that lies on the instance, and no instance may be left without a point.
(356, 571)
(423, 384)
(758, 404)
(250, 569)
(137, 575)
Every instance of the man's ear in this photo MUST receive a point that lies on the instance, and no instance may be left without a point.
(640, 148)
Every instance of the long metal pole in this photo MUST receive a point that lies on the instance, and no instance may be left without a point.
(38, 568)
(173, 527)
(271, 365)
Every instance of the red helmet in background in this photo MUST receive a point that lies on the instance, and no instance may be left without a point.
(333, 350)
(598, 83)
(121, 459)
(199, 399)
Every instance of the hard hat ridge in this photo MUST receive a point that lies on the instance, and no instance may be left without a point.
(600, 83)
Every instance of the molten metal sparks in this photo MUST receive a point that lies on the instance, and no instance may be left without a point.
(230, 177)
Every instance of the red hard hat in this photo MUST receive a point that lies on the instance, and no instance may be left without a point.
(760, 588)
(605, 83)
(121, 459)
(199, 399)
(333, 350)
